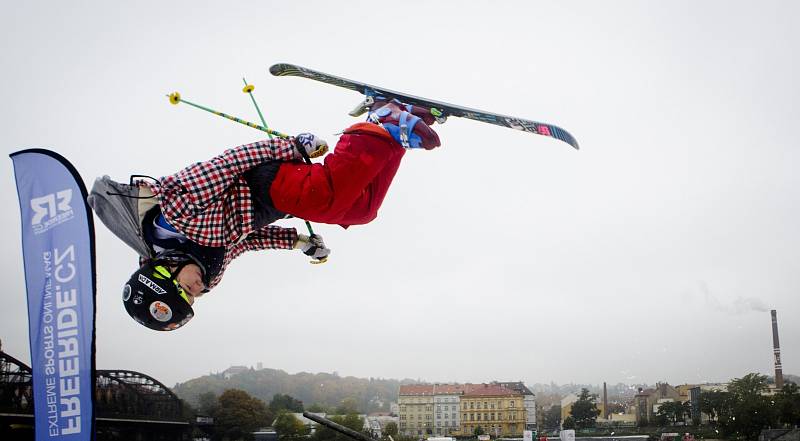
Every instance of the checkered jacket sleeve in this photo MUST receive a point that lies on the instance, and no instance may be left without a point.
(209, 201)
(269, 237)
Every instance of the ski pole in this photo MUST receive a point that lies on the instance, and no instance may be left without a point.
(175, 98)
(248, 89)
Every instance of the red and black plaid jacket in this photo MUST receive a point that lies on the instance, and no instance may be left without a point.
(210, 202)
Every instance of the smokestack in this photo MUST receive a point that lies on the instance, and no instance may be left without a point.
(605, 402)
(776, 347)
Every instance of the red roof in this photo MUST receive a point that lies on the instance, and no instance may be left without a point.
(488, 390)
(416, 389)
(448, 389)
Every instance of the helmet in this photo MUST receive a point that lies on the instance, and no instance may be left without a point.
(154, 298)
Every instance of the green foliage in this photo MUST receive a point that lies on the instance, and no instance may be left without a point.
(552, 418)
(316, 408)
(351, 421)
(746, 411)
(289, 428)
(238, 415)
(787, 403)
(713, 403)
(569, 423)
(327, 390)
(479, 431)
(347, 406)
(584, 411)
(673, 412)
(390, 429)
(283, 402)
(207, 403)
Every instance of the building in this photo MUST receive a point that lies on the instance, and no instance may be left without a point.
(416, 409)
(647, 401)
(566, 405)
(233, 370)
(376, 423)
(528, 402)
(446, 401)
(499, 411)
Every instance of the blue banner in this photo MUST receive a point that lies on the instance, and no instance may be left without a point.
(58, 250)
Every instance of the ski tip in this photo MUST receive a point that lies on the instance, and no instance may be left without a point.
(282, 69)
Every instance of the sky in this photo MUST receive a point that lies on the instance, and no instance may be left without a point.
(654, 253)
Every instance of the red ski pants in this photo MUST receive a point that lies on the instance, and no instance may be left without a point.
(349, 187)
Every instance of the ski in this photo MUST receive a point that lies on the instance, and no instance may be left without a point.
(440, 109)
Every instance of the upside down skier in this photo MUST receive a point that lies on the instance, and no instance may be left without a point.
(189, 226)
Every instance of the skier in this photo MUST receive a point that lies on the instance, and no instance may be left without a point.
(189, 226)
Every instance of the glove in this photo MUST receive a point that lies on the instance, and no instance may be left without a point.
(312, 246)
(310, 146)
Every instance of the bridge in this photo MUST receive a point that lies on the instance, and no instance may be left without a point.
(128, 405)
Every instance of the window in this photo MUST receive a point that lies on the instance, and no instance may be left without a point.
(472, 405)
(492, 414)
(485, 405)
(472, 417)
(465, 406)
(454, 415)
(445, 416)
(438, 407)
(510, 404)
(479, 416)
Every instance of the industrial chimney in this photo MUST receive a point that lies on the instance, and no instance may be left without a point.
(776, 347)
(605, 402)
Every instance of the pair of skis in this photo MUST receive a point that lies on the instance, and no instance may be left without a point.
(440, 110)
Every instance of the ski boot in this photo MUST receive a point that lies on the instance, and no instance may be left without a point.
(408, 124)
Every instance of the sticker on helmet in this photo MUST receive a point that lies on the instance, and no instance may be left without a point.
(126, 293)
(137, 299)
(152, 285)
(160, 311)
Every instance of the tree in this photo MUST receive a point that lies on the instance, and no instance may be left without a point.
(787, 403)
(673, 412)
(352, 421)
(347, 406)
(283, 402)
(714, 403)
(316, 407)
(239, 415)
(584, 411)
(289, 427)
(749, 411)
(390, 429)
(479, 431)
(569, 423)
(208, 403)
(552, 417)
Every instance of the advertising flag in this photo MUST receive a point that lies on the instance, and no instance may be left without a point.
(58, 251)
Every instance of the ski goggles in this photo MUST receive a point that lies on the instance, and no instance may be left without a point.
(163, 273)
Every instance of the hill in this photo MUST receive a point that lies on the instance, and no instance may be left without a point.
(328, 390)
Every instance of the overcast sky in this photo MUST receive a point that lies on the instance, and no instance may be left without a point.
(652, 254)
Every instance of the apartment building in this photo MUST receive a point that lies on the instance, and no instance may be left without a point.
(528, 402)
(446, 401)
(498, 410)
(416, 409)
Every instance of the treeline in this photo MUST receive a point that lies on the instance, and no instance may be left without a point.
(323, 390)
(237, 415)
(744, 410)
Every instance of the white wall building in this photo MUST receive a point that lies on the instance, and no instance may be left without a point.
(446, 402)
